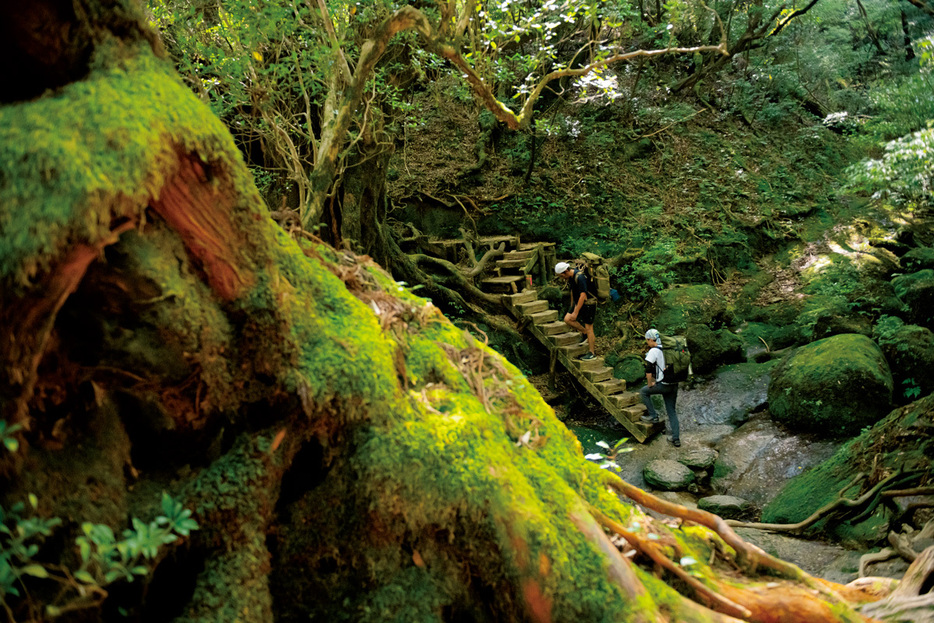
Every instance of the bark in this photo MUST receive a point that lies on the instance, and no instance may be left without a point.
(348, 453)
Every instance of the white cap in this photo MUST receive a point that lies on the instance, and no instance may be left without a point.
(652, 334)
(560, 267)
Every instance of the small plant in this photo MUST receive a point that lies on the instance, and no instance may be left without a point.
(609, 459)
(7, 440)
(104, 559)
(911, 389)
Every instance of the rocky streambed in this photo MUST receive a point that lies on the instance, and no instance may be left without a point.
(733, 460)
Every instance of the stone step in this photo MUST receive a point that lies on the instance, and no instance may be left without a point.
(532, 307)
(510, 282)
(595, 376)
(573, 351)
(592, 365)
(554, 328)
(572, 338)
(626, 399)
(526, 296)
(613, 386)
(544, 316)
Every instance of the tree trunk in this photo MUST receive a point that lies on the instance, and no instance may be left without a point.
(348, 454)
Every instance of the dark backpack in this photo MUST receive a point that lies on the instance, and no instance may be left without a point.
(677, 358)
(598, 274)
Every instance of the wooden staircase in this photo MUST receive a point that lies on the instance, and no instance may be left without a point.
(515, 274)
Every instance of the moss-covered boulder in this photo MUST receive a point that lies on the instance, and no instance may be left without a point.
(919, 258)
(900, 445)
(630, 368)
(680, 306)
(832, 387)
(909, 349)
(668, 475)
(713, 348)
(917, 292)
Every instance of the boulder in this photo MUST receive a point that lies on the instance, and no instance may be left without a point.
(726, 397)
(668, 475)
(726, 506)
(631, 369)
(918, 259)
(700, 457)
(909, 349)
(917, 292)
(833, 387)
(680, 306)
(711, 349)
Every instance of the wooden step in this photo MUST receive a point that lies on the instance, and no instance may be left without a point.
(571, 338)
(574, 351)
(526, 246)
(626, 399)
(634, 412)
(544, 316)
(510, 282)
(613, 386)
(554, 328)
(526, 296)
(591, 365)
(601, 374)
(532, 307)
(519, 255)
(511, 264)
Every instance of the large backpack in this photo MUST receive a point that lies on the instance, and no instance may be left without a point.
(677, 358)
(598, 274)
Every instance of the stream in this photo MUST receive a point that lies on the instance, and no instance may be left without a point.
(725, 415)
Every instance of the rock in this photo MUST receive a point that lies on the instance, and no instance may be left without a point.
(760, 339)
(832, 387)
(668, 475)
(758, 459)
(631, 369)
(726, 398)
(909, 349)
(710, 349)
(917, 292)
(680, 306)
(831, 562)
(700, 457)
(919, 259)
(726, 506)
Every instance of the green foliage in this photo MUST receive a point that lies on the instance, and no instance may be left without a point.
(104, 558)
(905, 172)
(7, 435)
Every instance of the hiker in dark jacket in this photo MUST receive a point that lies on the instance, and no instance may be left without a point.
(583, 307)
(655, 384)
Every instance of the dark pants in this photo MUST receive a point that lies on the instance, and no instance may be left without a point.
(669, 394)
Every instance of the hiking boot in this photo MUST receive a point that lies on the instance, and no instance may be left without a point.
(648, 419)
(588, 357)
(676, 443)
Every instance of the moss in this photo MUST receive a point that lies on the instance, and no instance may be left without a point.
(74, 161)
(916, 290)
(680, 306)
(833, 386)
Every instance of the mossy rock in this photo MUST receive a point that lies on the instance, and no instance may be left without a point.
(917, 292)
(631, 369)
(555, 297)
(760, 337)
(680, 306)
(668, 475)
(832, 387)
(902, 441)
(820, 310)
(711, 349)
(919, 258)
(909, 349)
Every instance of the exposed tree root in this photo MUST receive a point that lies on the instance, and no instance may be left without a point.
(907, 603)
(866, 503)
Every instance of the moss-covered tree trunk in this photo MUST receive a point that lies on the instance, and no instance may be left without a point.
(347, 452)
